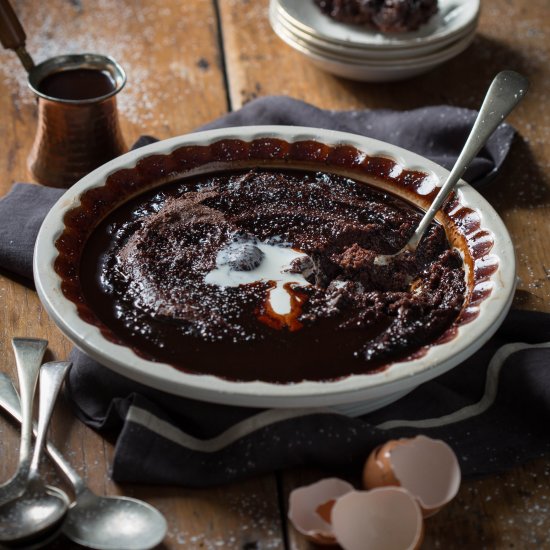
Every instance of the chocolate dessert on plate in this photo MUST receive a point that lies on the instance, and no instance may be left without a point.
(237, 266)
(384, 15)
(271, 274)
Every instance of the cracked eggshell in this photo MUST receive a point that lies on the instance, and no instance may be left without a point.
(428, 468)
(386, 518)
(310, 508)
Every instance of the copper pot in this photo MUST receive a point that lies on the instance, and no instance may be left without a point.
(75, 136)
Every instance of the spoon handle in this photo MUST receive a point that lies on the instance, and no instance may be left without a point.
(51, 379)
(505, 92)
(28, 357)
(9, 401)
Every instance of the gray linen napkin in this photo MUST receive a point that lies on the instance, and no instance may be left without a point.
(161, 438)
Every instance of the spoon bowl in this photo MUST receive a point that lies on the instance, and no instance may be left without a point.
(118, 523)
(40, 511)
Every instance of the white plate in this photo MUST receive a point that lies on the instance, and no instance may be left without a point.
(367, 390)
(349, 50)
(372, 71)
(432, 59)
(452, 17)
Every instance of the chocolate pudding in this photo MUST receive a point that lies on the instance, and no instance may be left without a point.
(383, 15)
(270, 275)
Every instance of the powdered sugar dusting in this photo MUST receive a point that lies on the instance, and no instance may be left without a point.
(252, 524)
(109, 27)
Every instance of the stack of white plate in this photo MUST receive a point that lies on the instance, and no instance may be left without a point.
(360, 53)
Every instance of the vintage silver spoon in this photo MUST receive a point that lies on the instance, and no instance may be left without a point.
(28, 356)
(505, 92)
(37, 512)
(121, 523)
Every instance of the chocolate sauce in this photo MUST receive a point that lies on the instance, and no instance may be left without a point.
(77, 84)
(143, 273)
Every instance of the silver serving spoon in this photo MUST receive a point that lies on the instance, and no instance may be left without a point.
(28, 356)
(121, 523)
(505, 92)
(41, 508)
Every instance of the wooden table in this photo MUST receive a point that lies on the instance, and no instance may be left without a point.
(189, 62)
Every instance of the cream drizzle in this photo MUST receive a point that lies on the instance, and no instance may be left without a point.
(272, 268)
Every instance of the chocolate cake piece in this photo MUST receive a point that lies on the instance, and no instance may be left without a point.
(384, 15)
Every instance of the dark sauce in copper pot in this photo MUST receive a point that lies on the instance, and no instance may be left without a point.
(77, 84)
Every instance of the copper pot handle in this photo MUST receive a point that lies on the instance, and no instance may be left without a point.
(12, 34)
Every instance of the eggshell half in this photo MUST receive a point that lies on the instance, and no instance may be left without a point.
(310, 508)
(378, 471)
(428, 468)
(387, 518)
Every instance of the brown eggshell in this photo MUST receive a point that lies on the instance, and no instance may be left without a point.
(386, 518)
(427, 468)
(378, 471)
(310, 508)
